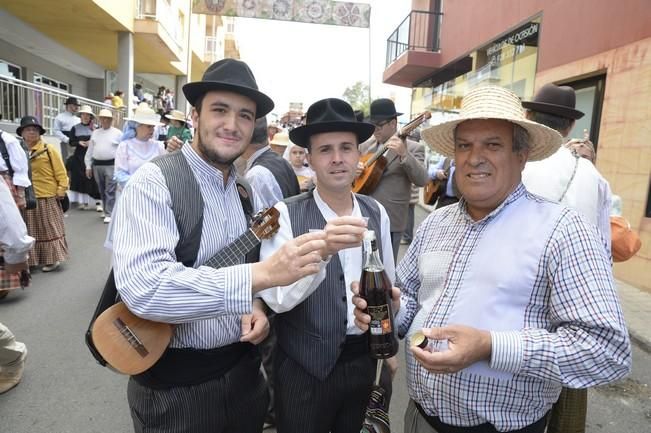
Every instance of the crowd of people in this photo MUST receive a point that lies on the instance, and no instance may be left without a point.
(509, 279)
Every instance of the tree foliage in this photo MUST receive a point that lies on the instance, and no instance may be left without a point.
(357, 96)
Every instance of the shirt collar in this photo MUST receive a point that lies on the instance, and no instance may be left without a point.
(327, 211)
(204, 170)
(255, 156)
(518, 192)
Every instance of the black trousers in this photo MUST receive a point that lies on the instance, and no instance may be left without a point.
(236, 402)
(337, 404)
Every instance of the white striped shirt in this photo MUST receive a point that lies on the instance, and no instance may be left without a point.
(206, 303)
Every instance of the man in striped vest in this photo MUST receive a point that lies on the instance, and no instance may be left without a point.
(323, 374)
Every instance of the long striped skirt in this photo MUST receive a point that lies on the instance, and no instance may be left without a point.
(45, 225)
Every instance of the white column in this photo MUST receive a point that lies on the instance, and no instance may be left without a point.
(125, 68)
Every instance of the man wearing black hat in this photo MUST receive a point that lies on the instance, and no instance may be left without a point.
(576, 183)
(405, 166)
(175, 213)
(323, 374)
(64, 122)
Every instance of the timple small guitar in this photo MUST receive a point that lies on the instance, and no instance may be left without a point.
(131, 344)
(375, 163)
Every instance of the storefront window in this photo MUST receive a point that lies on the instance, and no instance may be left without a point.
(509, 61)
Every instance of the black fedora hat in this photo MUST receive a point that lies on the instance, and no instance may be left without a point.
(383, 109)
(330, 115)
(29, 121)
(230, 75)
(557, 100)
(71, 100)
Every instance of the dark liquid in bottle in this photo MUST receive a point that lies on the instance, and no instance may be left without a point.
(375, 288)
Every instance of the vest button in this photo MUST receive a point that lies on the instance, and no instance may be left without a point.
(341, 278)
(343, 298)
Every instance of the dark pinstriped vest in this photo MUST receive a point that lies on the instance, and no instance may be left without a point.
(281, 170)
(313, 332)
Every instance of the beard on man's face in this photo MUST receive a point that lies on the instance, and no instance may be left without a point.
(213, 156)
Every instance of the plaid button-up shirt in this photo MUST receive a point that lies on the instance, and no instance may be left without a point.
(539, 278)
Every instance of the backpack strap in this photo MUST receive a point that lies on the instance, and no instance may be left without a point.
(5, 154)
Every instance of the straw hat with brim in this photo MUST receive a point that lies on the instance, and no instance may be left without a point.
(176, 115)
(492, 102)
(86, 109)
(105, 113)
(233, 76)
(557, 100)
(145, 116)
(29, 121)
(330, 115)
(280, 139)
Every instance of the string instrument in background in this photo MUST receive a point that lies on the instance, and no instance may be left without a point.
(436, 187)
(131, 344)
(375, 163)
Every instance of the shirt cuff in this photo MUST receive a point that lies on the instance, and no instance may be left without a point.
(237, 293)
(506, 351)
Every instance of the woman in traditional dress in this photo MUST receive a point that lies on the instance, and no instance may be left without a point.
(296, 157)
(45, 223)
(82, 189)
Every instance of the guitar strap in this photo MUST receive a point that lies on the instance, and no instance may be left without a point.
(187, 206)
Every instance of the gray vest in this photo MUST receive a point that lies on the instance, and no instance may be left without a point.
(313, 332)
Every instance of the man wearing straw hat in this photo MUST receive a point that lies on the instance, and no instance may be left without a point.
(323, 372)
(100, 160)
(513, 293)
(209, 379)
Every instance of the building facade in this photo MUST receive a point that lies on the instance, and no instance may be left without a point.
(599, 47)
(90, 48)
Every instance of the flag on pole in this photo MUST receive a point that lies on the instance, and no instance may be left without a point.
(331, 12)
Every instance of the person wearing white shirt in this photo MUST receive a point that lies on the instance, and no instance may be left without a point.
(100, 160)
(323, 374)
(16, 172)
(64, 122)
(16, 244)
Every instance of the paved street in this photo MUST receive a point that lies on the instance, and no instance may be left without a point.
(64, 390)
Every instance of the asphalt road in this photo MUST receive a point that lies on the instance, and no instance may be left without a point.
(64, 390)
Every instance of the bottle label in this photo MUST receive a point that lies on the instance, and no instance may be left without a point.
(380, 320)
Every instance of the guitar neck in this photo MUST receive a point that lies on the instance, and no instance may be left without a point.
(229, 255)
(378, 153)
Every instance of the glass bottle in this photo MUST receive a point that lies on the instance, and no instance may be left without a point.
(375, 288)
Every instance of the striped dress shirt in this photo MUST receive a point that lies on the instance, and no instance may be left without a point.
(205, 303)
(537, 276)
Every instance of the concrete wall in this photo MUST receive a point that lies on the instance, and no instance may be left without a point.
(624, 155)
(32, 64)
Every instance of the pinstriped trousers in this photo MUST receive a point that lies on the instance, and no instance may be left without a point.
(234, 403)
(304, 404)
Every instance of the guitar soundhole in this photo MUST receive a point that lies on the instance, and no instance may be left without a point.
(131, 338)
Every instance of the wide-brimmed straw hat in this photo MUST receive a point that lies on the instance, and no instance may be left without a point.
(145, 116)
(105, 113)
(330, 115)
(281, 139)
(176, 115)
(233, 76)
(493, 102)
(86, 109)
(557, 100)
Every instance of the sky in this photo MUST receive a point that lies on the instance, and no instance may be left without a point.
(299, 62)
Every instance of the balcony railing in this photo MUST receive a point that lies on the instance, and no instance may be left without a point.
(420, 31)
(214, 49)
(162, 12)
(21, 98)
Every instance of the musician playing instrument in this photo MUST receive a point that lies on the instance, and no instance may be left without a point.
(211, 380)
(405, 165)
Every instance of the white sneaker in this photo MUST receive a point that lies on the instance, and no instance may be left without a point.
(107, 219)
(99, 208)
(49, 268)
